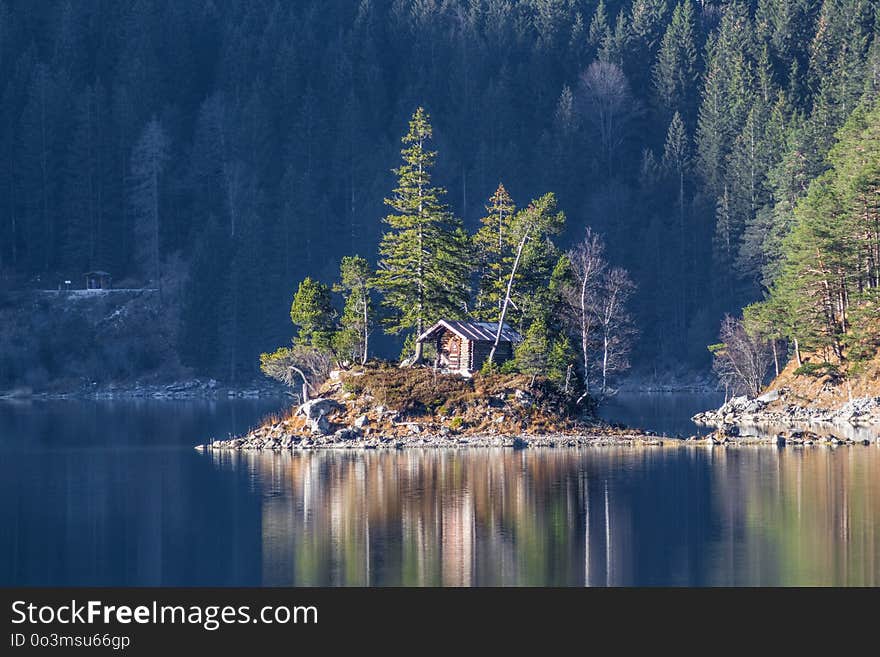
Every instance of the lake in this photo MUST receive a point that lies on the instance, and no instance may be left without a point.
(112, 493)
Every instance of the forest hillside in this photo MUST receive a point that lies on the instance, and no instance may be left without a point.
(243, 146)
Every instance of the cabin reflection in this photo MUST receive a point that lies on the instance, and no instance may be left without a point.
(567, 517)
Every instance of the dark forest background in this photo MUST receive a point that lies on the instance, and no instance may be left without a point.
(236, 147)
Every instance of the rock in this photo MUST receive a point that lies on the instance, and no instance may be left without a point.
(361, 421)
(320, 425)
(523, 398)
(414, 428)
(769, 396)
(318, 407)
(731, 430)
(346, 434)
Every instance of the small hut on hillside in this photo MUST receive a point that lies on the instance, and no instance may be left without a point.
(98, 280)
(463, 347)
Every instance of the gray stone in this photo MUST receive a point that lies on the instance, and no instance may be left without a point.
(361, 421)
(320, 425)
(346, 434)
(769, 396)
(318, 407)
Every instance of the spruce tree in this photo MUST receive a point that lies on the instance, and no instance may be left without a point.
(424, 265)
(493, 247)
(313, 315)
(675, 73)
(353, 338)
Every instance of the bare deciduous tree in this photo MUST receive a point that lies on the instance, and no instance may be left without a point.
(587, 263)
(608, 107)
(597, 311)
(741, 360)
(298, 363)
(615, 324)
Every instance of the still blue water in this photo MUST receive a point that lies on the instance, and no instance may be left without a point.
(112, 493)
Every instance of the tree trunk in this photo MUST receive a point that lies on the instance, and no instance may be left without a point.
(305, 385)
(585, 336)
(604, 364)
(366, 331)
(506, 303)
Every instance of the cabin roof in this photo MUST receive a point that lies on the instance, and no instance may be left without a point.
(473, 331)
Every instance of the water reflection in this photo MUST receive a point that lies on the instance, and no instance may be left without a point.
(568, 517)
(113, 494)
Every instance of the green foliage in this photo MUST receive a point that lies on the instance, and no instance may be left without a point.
(675, 72)
(351, 341)
(508, 367)
(313, 315)
(353, 384)
(424, 266)
(544, 352)
(817, 370)
(429, 351)
(494, 249)
(489, 367)
(830, 268)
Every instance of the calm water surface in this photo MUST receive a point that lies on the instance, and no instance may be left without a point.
(112, 493)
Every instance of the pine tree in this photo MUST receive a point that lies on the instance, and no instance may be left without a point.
(201, 314)
(423, 270)
(148, 160)
(313, 314)
(675, 72)
(677, 161)
(599, 30)
(352, 341)
(39, 166)
(86, 179)
(493, 250)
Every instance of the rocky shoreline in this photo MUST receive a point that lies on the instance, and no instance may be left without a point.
(772, 419)
(176, 390)
(772, 408)
(276, 441)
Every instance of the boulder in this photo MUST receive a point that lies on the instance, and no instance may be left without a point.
(320, 425)
(346, 434)
(769, 396)
(318, 407)
(361, 421)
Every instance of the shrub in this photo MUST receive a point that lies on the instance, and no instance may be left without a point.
(818, 370)
(353, 384)
(509, 367)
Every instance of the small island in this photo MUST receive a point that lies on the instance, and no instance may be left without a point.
(383, 406)
(507, 338)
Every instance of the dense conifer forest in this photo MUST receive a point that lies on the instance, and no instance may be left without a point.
(223, 152)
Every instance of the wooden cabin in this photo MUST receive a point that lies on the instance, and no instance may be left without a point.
(98, 280)
(463, 347)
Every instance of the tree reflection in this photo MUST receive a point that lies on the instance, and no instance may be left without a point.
(567, 517)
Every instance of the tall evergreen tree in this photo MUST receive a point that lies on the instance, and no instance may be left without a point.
(675, 72)
(492, 243)
(423, 268)
(352, 341)
(148, 160)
